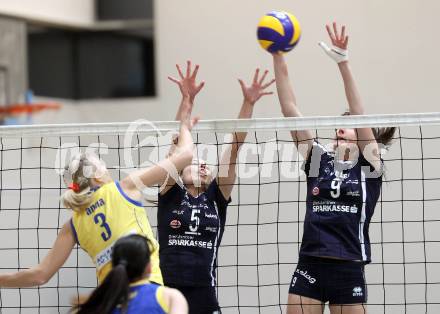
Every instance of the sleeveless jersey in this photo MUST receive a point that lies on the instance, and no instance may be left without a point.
(190, 230)
(145, 297)
(341, 197)
(110, 216)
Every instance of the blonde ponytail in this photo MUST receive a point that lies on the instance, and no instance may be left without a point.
(78, 178)
(75, 200)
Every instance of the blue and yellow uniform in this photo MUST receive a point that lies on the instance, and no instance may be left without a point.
(110, 216)
(145, 297)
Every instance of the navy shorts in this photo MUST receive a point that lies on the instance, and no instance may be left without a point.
(201, 300)
(329, 280)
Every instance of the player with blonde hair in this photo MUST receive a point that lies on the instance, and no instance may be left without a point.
(105, 210)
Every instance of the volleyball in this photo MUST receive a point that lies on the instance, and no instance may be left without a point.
(278, 31)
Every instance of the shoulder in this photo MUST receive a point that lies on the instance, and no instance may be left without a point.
(215, 193)
(318, 153)
(132, 196)
(174, 192)
(370, 170)
(171, 299)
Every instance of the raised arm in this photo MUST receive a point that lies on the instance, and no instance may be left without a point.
(188, 87)
(251, 94)
(303, 138)
(339, 54)
(169, 168)
(40, 274)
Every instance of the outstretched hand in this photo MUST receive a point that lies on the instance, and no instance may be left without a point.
(187, 83)
(339, 39)
(255, 91)
(338, 52)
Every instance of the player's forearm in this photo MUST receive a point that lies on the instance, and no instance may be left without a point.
(286, 95)
(25, 278)
(351, 91)
(182, 155)
(179, 117)
(180, 111)
(246, 112)
(185, 139)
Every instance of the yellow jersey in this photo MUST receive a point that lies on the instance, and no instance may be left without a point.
(111, 215)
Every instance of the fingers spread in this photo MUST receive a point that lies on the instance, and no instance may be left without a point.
(257, 71)
(179, 71)
(346, 41)
(330, 33)
(263, 77)
(196, 70)
(266, 93)
(241, 83)
(172, 79)
(343, 32)
(335, 29)
(268, 84)
(188, 68)
(200, 86)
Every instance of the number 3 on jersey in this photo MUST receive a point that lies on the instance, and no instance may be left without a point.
(100, 220)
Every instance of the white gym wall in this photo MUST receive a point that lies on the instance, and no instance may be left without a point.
(392, 48)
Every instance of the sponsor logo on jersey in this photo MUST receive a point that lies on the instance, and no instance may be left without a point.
(331, 207)
(357, 292)
(353, 193)
(306, 275)
(211, 216)
(185, 201)
(105, 256)
(341, 175)
(293, 281)
(178, 212)
(175, 224)
(188, 242)
(212, 229)
(315, 191)
(352, 182)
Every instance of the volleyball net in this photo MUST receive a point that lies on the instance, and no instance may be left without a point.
(263, 232)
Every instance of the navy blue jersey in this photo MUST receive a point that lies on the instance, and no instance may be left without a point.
(341, 196)
(190, 230)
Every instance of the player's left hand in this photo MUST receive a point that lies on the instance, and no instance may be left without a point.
(255, 91)
(338, 52)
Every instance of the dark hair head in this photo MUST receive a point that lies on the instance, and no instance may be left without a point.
(133, 252)
(383, 136)
(131, 255)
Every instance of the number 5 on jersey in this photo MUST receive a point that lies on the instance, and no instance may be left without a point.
(194, 219)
